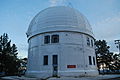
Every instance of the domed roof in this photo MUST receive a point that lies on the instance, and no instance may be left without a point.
(59, 18)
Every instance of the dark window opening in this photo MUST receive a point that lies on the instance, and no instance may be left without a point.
(55, 59)
(90, 61)
(55, 39)
(92, 43)
(45, 60)
(47, 39)
(94, 60)
(88, 41)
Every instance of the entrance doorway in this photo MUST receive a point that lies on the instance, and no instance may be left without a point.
(55, 65)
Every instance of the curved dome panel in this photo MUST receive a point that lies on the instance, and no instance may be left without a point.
(59, 18)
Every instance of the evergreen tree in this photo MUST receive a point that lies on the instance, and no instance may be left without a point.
(104, 57)
(9, 63)
(116, 62)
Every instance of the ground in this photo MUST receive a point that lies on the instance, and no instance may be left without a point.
(100, 77)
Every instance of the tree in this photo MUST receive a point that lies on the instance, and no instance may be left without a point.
(107, 59)
(9, 63)
(116, 62)
(22, 68)
(103, 55)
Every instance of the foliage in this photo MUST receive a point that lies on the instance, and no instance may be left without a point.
(116, 62)
(22, 68)
(102, 52)
(107, 59)
(9, 63)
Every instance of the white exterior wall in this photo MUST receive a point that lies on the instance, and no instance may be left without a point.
(73, 29)
(72, 49)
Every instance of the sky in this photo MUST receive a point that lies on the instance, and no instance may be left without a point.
(16, 15)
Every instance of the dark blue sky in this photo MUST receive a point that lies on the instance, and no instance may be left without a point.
(103, 15)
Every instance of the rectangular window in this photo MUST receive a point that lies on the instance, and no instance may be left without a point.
(55, 59)
(90, 61)
(88, 41)
(45, 60)
(94, 60)
(55, 39)
(92, 43)
(47, 39)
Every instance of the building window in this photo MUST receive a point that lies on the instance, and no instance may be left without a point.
(47, 39)
(55, 39)
(45, 60)
(94, 60)
(90, 61)
(55, 59)
(92, 43)
(88, 41)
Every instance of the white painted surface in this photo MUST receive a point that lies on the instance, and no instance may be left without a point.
(72, 48)
(59, 18)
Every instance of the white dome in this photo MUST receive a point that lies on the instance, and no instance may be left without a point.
(59, 18)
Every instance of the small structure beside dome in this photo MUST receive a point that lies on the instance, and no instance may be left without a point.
(61, 43)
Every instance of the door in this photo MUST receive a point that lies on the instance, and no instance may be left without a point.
(55, 65)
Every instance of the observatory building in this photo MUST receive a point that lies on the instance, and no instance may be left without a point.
(61, 43)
